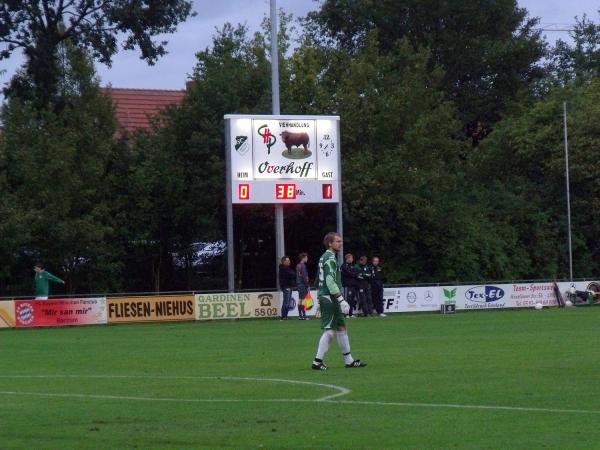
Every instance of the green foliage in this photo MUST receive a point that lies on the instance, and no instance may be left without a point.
(525, 158)
(489, 51)
(55, 166)
(176, 186)
(579, 59)
(401, 163)
(178, 175)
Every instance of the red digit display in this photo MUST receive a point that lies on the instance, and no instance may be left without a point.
(285, 191)
(327, 191)
(244, 191)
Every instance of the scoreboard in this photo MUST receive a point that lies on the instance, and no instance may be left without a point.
(283, 159)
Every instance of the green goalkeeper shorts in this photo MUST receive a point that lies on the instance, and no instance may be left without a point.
(331, 314)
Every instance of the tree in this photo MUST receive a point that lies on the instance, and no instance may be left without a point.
(408, 187)
(178, 175)
(579, 60)
(55, 170)
(524, 159)
(399, 158)
(489, 51)
(39, 27)
(13, 226)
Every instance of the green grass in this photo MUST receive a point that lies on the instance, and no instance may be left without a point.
(523, 359)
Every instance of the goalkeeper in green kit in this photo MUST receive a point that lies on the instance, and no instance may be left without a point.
(332, 305)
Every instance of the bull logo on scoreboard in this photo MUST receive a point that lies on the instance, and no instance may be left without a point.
(299, 140)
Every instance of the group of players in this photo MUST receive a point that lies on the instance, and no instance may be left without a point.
(363, 285)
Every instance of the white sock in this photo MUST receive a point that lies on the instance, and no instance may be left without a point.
(344, 343)
(324, 342)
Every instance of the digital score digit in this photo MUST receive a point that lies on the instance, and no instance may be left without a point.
(327, 191)
(285, 191)
(244, 192)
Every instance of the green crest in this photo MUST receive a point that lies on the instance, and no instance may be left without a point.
(449, 293)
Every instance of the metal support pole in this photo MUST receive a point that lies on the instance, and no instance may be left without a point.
(230, 244)
(340, 229)
(279, 219)
(274, 59)
(568, 191)
(230, 247)
(339, 206)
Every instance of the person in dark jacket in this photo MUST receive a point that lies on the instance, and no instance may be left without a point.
(287, 279)
(302, 283)
(350, 282)
(364, 286)
(377, 280)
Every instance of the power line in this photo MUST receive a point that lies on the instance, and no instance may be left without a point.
(559, 27)
(555, 29)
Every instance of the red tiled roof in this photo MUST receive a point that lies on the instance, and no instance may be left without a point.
(135, 107)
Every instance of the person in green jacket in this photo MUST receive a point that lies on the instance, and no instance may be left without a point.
(42, 281)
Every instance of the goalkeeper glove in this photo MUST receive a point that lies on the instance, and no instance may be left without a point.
(344, 306)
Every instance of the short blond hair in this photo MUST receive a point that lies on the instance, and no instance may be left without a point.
(329, 237)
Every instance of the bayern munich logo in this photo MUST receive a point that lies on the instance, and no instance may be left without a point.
(25, 313)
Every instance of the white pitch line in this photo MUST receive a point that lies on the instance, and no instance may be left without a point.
(340, 389)
(152, 399)
(459, 406)
(328, 399)
(300, 400)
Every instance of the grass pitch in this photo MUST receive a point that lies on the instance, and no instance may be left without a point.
(497, 379)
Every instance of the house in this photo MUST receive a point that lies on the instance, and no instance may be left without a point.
(135, 108)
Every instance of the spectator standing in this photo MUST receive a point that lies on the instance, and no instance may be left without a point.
(42, 280)
(364, 286)
(302, 283)
(350, 282)
(377, 280)
(287, 279)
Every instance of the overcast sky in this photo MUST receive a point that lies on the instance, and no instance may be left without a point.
(171, 71)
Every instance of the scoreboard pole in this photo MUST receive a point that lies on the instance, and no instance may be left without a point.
(230, 243)
(340, 211)
(279, 229)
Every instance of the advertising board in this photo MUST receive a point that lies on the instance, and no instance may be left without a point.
(514, 295)
(411, 299)
(60, 312)
(155, 308)
(248, 305)
(7, 314)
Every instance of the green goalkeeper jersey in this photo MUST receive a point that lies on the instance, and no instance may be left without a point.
(329, 281)
(42, 280)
